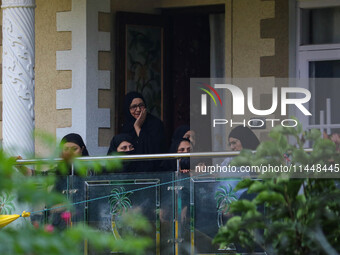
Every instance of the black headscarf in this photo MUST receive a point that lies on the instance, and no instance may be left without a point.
(171, 165)
(180, 132)
(247, 137)
(75, 138)
(117, 140)
(69, 138)
(129, 120)
(151, 137)
(127, 166)
(175, 143)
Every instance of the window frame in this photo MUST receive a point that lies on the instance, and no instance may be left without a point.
(310, 53)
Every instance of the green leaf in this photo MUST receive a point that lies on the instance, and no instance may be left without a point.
(300, 156)
(313, 134)
(294, 186)
(269, 197)
(257, 187)
(234, 223)
(253, 216)
(242, 205)
(245, 183)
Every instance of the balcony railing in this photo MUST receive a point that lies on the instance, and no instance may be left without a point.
(182, 208)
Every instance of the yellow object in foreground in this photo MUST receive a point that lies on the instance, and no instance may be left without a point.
(6, 219)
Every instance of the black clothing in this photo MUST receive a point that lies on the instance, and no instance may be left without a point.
(117, 140)
(171, 165)
(247, 138)
(151, 137)
(180, 132)
(129, 120)
(128, 166)
(75, 138)
(175, 144)
(64, 168)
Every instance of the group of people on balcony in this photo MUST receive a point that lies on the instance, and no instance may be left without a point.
(143, 133)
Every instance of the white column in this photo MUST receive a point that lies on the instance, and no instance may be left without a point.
(18, 76)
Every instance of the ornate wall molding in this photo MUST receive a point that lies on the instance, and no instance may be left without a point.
(18, 80)
(18, 3)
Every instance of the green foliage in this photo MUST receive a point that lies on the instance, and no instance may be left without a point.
(42, 238)
(292, 213)
(31, 240)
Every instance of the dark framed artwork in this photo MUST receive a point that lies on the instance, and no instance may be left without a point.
(139, 61)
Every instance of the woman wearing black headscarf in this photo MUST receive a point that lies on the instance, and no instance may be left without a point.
(73, 143)
(181, 145)
(242, 138)
(184, 131)
(180, 132)
(123, 144)
(146, 130)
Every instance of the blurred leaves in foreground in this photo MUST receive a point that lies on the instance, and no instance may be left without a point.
(42, 238)
(290, 213)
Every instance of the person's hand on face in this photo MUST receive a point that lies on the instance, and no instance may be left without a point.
(141, 118)
(138, 111)
(191, 136)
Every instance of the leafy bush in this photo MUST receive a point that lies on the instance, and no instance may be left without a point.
(301, 210)
(39, 238)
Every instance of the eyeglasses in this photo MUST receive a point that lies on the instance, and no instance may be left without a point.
(134, 106)
(183, 150)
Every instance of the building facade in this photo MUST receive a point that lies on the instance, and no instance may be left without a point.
(76, 52)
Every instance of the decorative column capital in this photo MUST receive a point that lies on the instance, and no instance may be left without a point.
(18, 4)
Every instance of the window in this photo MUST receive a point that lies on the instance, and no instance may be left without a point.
(320, 26)
(318, 62)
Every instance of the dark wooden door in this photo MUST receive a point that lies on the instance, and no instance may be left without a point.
(185, 54)
(189, 58)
